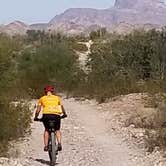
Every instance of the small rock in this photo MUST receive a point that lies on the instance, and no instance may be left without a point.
(3, 160)
(76, 128)
(132, 126)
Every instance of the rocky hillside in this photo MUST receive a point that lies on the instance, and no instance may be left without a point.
(39, 26)
(16, 27)
(138, 4)
(124, 16)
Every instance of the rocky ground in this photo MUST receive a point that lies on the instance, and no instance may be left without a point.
(93, 134)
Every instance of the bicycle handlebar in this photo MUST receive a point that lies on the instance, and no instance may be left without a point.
(38, 119)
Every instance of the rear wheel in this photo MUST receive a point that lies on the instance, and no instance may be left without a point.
(52, 149)
(49, 150)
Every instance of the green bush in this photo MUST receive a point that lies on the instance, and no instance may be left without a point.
(15, 119)
(79, 47)
(128, 64)
(49, 64)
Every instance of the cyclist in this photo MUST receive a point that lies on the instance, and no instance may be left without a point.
(52, 109)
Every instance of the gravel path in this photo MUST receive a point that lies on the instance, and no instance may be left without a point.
(87, 141)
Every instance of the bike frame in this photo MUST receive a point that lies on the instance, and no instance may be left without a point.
(52, 147)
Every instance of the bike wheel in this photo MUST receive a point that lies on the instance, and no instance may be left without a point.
(49, 149)
(53, 149)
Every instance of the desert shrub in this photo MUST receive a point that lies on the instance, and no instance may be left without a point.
(152, 118)
(98, 33)
(155, 138)
(160, 128)
(79, 47)
(143, 118)
(56, 64)
(127, 64)
(14, 122)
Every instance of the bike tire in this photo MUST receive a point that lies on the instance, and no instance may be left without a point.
(49, 149)
(53, 149)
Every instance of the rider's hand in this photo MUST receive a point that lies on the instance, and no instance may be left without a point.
(36, 116)
(35, 119)
(64, 116)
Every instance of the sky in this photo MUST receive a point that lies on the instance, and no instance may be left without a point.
(42, 11)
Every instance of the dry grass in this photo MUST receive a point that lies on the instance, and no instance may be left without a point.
(143, 118)
(153, 120)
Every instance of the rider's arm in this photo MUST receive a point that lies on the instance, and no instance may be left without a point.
(38, 111)
(63, 110)
(38, 108)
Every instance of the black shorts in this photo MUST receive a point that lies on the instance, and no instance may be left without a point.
(47, 117)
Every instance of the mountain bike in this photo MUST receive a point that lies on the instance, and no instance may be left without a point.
(52, 145)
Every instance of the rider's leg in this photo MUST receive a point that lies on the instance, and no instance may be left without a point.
(58, 136)
(46, 137)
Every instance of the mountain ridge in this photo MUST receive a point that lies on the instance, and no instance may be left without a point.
(125, 13)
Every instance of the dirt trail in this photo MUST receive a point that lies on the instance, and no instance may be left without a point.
(87, 141)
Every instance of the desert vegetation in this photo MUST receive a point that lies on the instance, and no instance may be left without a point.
(130, 63)
(27, 64)
(133, 63)
(14, 119)
(118, 64)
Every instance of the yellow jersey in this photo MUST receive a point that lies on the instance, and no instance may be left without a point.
(51, 104)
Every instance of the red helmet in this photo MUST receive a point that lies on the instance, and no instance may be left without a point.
(49, 88)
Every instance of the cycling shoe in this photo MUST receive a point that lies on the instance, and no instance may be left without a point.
(59, 147)
(45, 148)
